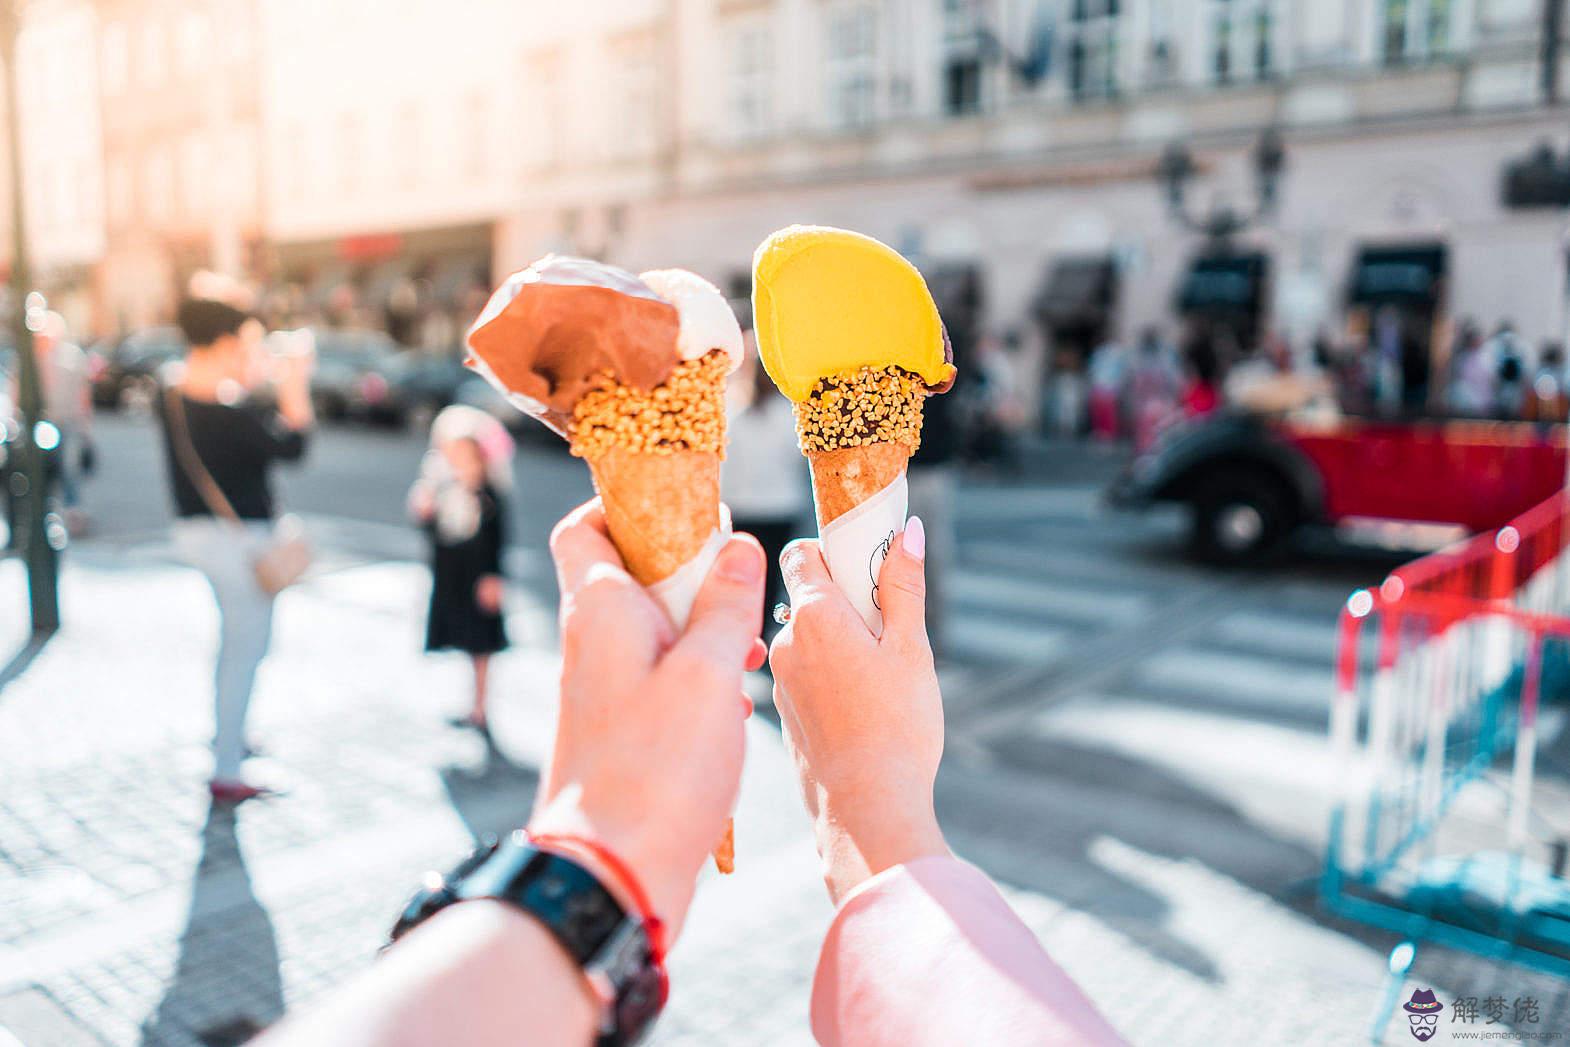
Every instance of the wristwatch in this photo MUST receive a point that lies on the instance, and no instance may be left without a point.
(612, 946)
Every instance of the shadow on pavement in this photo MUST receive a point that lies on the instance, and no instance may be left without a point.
(226, 985)
(23, 658)
(494, 796)
(1040, 830)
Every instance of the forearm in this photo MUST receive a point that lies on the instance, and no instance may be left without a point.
(477, 974)
(294, 406)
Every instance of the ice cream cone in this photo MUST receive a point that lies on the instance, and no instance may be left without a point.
(845, 477)
(661, 508)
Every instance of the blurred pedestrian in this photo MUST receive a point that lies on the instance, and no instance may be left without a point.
(458, 499)
(1201, 391)
(1507, 353)
(68, 404)
(1546, 398)
(1107, 374)
(931, 478)
(764, 479)
(996, 411)
(1473, 375)
(1154, 386)
(221, 445)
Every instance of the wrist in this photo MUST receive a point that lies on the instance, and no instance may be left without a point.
(667, 888)
(873, 838)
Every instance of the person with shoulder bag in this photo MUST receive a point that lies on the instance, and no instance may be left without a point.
(221, 445)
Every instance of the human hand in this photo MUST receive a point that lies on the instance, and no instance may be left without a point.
(650, 738)
(422, 502)
(863, 716)
(488, 593)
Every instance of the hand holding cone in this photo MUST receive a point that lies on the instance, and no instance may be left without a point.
(632, 370)
(849, 332)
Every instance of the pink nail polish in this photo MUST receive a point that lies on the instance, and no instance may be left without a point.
(916, 538)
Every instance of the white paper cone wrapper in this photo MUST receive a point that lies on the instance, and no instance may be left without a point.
(677, 593)
(855, 545)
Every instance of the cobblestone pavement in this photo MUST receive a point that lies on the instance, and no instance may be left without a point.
(1147, 822)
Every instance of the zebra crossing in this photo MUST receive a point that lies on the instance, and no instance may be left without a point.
(1103, 647)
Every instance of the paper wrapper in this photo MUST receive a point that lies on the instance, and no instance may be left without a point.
(862, 500)
(665, 516)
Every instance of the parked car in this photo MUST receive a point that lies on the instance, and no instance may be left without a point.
(352, 376)
(424, 383)
(1251, 481)
(128, 372)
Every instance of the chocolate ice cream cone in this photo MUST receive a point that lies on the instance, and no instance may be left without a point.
(655, 459)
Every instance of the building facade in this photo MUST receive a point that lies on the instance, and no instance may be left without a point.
(179, 87)
(1016, 142)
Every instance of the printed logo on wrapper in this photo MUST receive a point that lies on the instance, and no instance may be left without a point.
(856, 544)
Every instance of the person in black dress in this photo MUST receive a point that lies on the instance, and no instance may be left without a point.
(458, 500)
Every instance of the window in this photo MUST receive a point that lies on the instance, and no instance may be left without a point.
(116, 57)
(158, 184)
(635, 121)
(543, 104)
(121, 192)
(191, 40)
(751, 70)
(477, 135)
(1414, 30)
(351, 151)
(152, 56)
(1242, 40)
(194, 176)
(411, 138)
(852, 65)
(962, 83)
(1093, 30)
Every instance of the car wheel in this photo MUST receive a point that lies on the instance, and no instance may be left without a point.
(1241, 518)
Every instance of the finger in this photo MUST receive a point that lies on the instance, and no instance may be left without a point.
(804, 570)
(757, 656)
(579, 542)
(599, 597)
(902, 587)
(727, 616)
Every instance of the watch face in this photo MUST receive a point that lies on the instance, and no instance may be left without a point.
(641, 999)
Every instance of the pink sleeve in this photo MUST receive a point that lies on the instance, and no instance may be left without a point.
(930, 953)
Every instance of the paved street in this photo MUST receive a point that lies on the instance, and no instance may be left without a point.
(1136, 752)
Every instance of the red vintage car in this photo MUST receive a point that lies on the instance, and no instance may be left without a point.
(1251, 481)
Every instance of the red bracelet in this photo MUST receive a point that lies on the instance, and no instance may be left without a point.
(653, 926)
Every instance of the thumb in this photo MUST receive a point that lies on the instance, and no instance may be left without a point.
(727, 616)
(902, 586)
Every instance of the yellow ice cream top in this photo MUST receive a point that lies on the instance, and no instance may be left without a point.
(828, 301)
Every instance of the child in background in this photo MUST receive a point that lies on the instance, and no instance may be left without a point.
(458, 500)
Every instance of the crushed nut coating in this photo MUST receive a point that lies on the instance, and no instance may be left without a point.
(686, 412)
(868, 406)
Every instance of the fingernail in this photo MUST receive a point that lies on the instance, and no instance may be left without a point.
(740, 563)
(916, 538)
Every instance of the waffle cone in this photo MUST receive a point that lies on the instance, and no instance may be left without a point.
(660, 508)
(845, 477)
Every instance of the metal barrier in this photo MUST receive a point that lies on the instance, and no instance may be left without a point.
(1440, 675)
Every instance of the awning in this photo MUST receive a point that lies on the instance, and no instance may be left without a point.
(1233, 283)
(1412, 273)
(1077, 292)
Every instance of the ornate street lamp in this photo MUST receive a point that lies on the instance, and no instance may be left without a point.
(1177, 169)
(35, 439)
